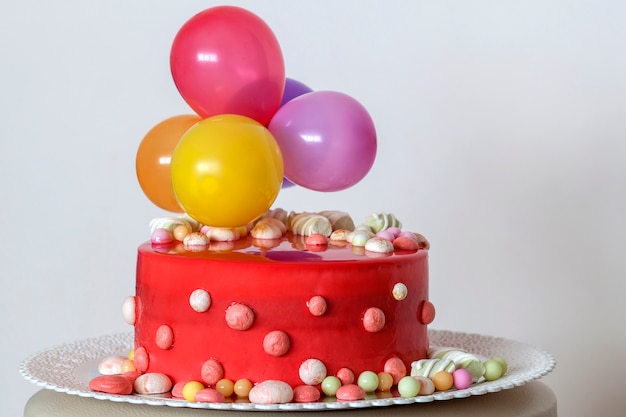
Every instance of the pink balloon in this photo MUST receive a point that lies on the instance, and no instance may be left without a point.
(226, 60)
(328, 140)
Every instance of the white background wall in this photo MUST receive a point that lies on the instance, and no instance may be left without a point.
(502, 130)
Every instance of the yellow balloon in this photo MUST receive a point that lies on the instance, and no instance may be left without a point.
(226, 170)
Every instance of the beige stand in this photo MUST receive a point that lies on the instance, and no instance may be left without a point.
(534, 399)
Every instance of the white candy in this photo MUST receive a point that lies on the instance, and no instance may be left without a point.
(196, 239)
(267, 229)
(338, 219)
(223, 234)
(153, 383)
(271, 392)
(399, 291)
(170, 223)
(200, 300)
(307, 224)
(111, 365)
(312, 371)
(128, 310)
(379, 245)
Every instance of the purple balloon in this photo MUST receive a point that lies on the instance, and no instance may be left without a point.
(293, 89)
(328, 140)
(286, 183)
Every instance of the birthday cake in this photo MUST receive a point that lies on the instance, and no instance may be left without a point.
(235, 298)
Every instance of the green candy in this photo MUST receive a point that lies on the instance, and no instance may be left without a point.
(408, 387)
(368, 380)
(493, 370)
(330, 385)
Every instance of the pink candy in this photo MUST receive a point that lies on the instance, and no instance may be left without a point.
(350, 392)
(212, 371)
(161, 236)
(374, 319)
(111, 384)
(306, 394)
(209, 395)
(462, 378)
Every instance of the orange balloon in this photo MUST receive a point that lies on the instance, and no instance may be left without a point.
(154, 156)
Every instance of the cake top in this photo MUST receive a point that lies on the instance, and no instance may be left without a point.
(327, 236)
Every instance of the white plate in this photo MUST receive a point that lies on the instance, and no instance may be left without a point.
(69, 368)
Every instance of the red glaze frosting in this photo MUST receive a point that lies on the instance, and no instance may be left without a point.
(276, 284)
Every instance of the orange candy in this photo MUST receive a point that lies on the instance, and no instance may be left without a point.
(443, 380)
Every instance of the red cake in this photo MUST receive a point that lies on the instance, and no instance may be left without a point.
(374, 307)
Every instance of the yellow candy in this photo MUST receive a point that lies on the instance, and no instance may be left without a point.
(225, 386)
(131, 354)
(190, 389)
(242, 387)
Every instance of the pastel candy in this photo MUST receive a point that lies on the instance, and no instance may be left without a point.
(153, 383)
(271, 392)
(312, 371)
(382, 221)
(111, 384)
(350, 392)
(379, 245)
(212, 371)
(305, 394)
(427, 386)
(128, 310)
(430, 367)
(209, 395)
(111, 365)
(461, 359)
(396, 368)
(405, 243)
(338, 219)
(307, 224)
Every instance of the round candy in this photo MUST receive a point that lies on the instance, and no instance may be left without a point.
(493, 370)
(350, 392)
(305, 394)
(242, 387)
(368, 380)
(330, 385)
(276, 343)
(111, 384)
(164, 337)
(443, 381)
(141, 359)
(190, 389)
(399, 291)
(374, 319)
(408, 387)
(396, 368)
(345, 375)
(225, 386)
(153, 383)
(462, 379)
(128, 310)
(385, 381)
(209, 395)
(503, 364)
(239, 317)
(212, 371)
(312, 371)
(317, 305)
(200, 300)
(271, 392)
